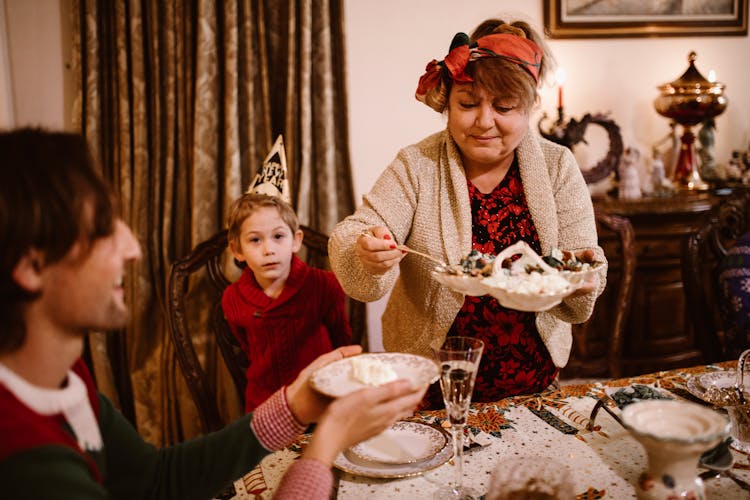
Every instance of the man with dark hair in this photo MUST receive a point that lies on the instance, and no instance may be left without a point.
(63, 257)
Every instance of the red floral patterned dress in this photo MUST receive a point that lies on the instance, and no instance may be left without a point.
(515, 360)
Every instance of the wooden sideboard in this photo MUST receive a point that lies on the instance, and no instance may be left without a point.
(658, 334)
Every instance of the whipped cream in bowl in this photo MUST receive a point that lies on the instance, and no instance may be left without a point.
(347, 375)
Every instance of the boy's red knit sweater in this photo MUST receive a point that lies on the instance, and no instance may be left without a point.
(282, 336)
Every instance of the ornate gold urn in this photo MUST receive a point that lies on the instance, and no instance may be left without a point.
(690, 100)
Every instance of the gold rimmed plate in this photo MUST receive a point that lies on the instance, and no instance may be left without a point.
(402, 443)
(336, 380)
(353, 464)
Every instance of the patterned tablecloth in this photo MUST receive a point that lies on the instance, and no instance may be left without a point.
(604, 463)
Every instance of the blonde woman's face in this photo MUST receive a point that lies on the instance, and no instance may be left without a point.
(486, 128)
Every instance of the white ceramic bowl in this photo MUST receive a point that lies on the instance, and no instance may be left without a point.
(461, 283)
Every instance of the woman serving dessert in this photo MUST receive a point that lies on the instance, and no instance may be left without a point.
(483, 183)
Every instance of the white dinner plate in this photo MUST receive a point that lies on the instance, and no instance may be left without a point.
(402, 443)
(336, 380)
(351, 463)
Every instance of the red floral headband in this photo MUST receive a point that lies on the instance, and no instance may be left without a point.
(519, 50)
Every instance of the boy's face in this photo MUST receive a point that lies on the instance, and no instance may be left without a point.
(84, 291)
(266, 244)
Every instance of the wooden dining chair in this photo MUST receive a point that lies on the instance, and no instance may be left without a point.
(206, 260)
(598, 342)
(702, 256)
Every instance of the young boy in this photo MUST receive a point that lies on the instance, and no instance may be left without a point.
(284, 313)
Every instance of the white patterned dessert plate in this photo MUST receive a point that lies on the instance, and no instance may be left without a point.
(402, 443)
(336, 380)
(351, 463)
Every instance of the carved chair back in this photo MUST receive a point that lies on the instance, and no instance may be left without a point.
(703, 254)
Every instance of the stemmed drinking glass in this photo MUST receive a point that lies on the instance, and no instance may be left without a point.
(458, 359)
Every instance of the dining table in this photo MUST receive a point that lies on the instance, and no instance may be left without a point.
(603, 460)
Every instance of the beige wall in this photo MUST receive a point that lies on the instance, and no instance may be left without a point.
(36, 73)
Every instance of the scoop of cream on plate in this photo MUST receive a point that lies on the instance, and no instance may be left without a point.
(371, 371)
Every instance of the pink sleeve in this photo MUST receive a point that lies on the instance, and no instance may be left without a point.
(274, 424)
(306, 479)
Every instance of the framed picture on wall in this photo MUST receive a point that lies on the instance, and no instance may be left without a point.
(644, 18)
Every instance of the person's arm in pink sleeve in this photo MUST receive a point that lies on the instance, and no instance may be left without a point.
(274, 424)
(306, 479)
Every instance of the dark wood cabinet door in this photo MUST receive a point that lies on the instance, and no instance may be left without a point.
(658, 334)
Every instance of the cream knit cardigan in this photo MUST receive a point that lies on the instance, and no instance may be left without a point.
(423, 200)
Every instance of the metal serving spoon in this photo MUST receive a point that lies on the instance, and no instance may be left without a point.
(404, 248)
(719, 461)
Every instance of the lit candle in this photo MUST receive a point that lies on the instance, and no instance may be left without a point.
(560, 79)
(711, 76)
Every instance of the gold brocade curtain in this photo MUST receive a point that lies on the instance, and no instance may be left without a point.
(180, 102)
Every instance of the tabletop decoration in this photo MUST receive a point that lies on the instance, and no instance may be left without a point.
(483, 418)
(690, 100)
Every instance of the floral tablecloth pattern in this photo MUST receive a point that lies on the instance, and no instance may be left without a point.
(604, 463)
